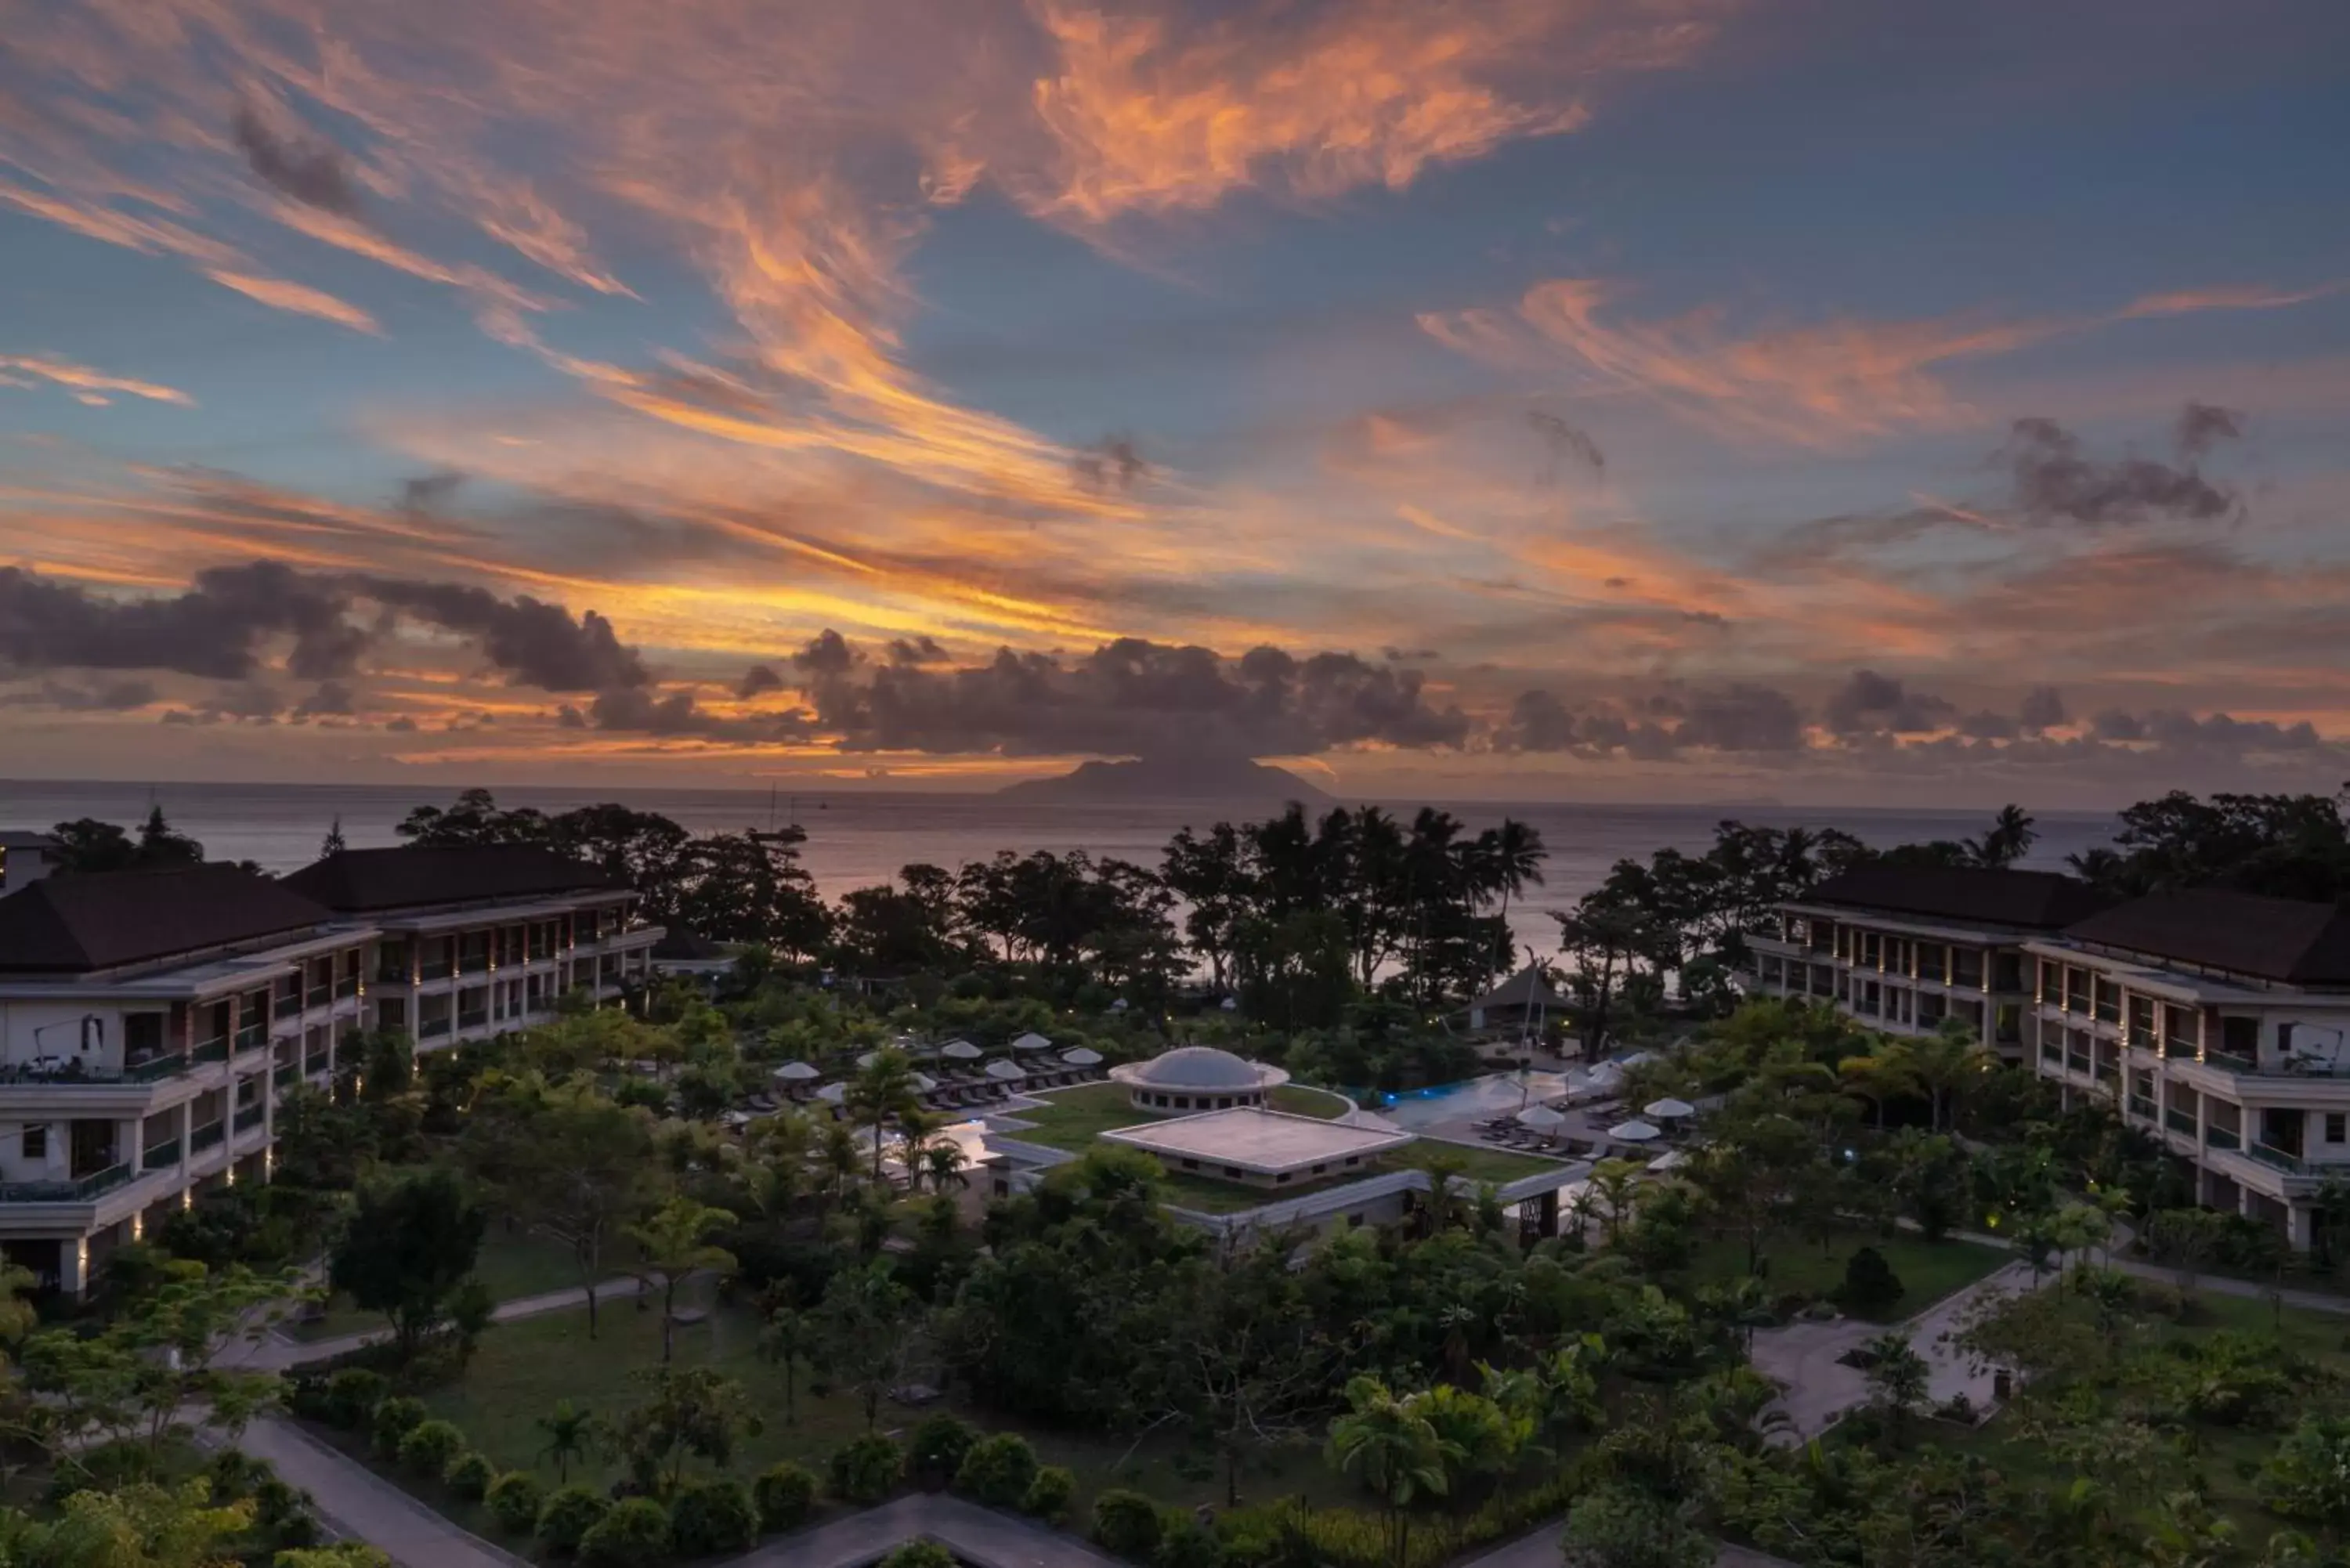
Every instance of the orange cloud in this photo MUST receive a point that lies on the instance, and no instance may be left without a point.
(299, 298)
(86, 383)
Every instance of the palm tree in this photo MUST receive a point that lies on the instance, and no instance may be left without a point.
(880, 1092)
(677, 1248)
(1513, 857)
(2009, 839)
(784, 1341)
(571, 1432)
(945, 1159)
(1390, 1448)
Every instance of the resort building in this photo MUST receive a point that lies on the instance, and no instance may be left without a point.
(1244, 1150)
(25, 859)
(148, 1022)
(1259, 1147)
(1197, 1078)
(2216, 1021)
(151, 1021)
(471, 942)
(1905, 948)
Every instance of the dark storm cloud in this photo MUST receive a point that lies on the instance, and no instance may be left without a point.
(107, 697)
(1538, 721)
(756, 680)
(332, 699)
(2117, 725)
(310, 171)
(2055, 483)
(223, 626)
(1131, 696)
(1741, 718)
(923, 650)
(1870, 701)
(1988, 726)
(214, 629)
(2044, 709)
(535, 643)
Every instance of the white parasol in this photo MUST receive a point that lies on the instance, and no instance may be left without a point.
(796, 1073)
(1669, 1110)
(833, 1094)
(1635, 1132)
(1006, 1071)
(1671, 1159)
(1082, 1056)
(961, 1051)
(1541, 1119)
(1031, 1040)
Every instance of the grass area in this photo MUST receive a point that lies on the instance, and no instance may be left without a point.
(1300, 1100)
(1928, 1271)
(1478, 1164)
(513, 1265)
(524, 1368)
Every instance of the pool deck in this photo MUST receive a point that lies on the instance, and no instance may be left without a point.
(1453, 1111)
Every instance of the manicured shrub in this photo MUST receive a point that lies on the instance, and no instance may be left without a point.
(234, 1475)
(633, 1534)
(469, 1475)
(998, 1470)
(785, 1496)
(1126, 1524)
(352, 1396)
(713, 1516)
(430, 1446)
(1048, 1495)
(282, 1517)
(1870, 1286)
(866, 1469)
(567, 1514)
(920, 1554)
(1187, 1544)
(934, 1451)
(393, 1419)
(515, 1499)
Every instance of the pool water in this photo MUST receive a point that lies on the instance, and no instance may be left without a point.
(1496, 1094)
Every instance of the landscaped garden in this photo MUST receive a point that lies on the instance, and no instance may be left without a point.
(1800, 1266)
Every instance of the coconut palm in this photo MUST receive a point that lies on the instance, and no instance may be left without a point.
(945, 1160)
(882, 1092)
(2009, 839)
(677, 1248)
(570, 1433)
(784, 1341)
(1390, 1448)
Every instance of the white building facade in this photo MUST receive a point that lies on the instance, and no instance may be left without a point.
(152, 1021)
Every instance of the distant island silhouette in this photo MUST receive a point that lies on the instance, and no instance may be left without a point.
(1206, 777)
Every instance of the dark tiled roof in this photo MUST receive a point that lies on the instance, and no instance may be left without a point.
(369, 881)
(1528, 988)
(2243, 933)
(2015, 900)
(107, 919)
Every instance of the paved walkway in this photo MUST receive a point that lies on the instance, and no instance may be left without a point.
(277, 1351)
(976, 1536)
(359, 1504)
(1540, 1550)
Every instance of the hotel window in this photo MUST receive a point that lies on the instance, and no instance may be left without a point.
(1232, 1171)
(2337, 1127)
(1320, 1169)
(1191, 1165)
(37, 1143)
(1280, 1178)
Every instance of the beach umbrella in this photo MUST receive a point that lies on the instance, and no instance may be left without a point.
(1082, 1056)
(1118, 1006)
(1230, 1005)
(961, 1051)
(868, 1058)
(796, 1073)
(1671, 1159)
(1669, 1110)
(833, 1094)
(1006, 1071)
(1541, 1119)
(1635, 1132)
(1638, 1059)
(1606, 1076)
(924, 1082)
(1031, 1040)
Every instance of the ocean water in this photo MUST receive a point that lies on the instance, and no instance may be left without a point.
(855, 838)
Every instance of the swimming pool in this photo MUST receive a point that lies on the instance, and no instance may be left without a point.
(1496, 1094)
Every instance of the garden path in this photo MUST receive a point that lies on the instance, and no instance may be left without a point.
(357, 1504)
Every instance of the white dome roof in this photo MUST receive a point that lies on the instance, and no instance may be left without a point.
(1193, 1068)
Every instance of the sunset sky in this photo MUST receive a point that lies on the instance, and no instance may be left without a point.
(1865, 400)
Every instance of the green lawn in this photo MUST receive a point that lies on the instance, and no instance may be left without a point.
(1928, 1271)
(523, 1367)
(513, 1265)
(1072, 1119)
(1478, 1164)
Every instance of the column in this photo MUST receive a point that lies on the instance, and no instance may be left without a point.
(73, 1264)
(2299, 1225)
(128, 1144)
(187, 1114)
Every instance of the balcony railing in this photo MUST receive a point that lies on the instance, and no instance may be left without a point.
(2141, 1107)
(2179, 1121)
(73, 1070)
(2221, 1137)
(435, 968)
(348, 986)
(433, 1028)
(252, 1037)
(2277, 1158)
(212, 1050)
(474, 1019)
(250, 1118)
(286, 1073)
(161, 1155)
(288, 1005)
(77, 1191)
(206, 1136)
(319, 996)
(314, 1065)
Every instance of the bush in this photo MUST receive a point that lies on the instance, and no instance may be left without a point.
(634, 1533)
(1048, 1495)
(568, 1513)
(935, 1450)
(430, 1446)
(514, 1499)
(1870, 1286)
(785, 1496)
(1126, 1524)
(352, 1396)
(713, 1516)
(920, 1554)
(866, 1470)
(236, 1475)
(393, 1419)
(469, 1475)
(1188, 1543)
(998, 1470)
(282, 1517)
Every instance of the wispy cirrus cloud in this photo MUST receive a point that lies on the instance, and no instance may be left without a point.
(93, 387)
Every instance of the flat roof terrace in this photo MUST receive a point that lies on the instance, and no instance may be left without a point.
(1260, 1142)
